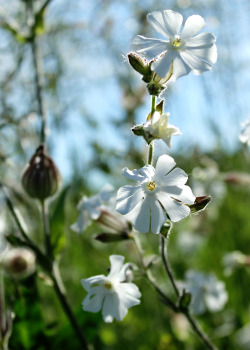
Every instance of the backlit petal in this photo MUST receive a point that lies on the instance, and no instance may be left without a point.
(193, 25)
(148, 46)
(200, 40)
(164, 164)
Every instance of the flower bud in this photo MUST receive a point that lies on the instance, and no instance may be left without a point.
(19, 262)
(140, 64)
(41, 177)
(185, 299)
(111, 237)
(199, 203)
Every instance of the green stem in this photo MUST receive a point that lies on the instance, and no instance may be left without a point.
(38, 76)
(170, 274)
(46, 229)
(149, 276)
(14, 214)
(151, 146)
(199, 332)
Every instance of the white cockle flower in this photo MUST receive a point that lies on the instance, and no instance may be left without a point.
(207, 292)
(245, 133)
(186, 49)
(91, 208)
(159, 193)
(113, 294)
(159, 128)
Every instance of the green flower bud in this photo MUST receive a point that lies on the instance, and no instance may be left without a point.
(41, 177)
(185, 299)
(139, 64)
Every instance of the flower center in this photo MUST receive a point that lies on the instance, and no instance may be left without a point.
(151, 186)
(177, 41)
(108, 285)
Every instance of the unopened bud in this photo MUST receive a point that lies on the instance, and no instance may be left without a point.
(18, 262)
(199, 203)
(139, 64)
(185, 299)
(41, 177)
(111, 237)
(111, 222)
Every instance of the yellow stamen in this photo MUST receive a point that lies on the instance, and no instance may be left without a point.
(108, 285)
(177, 42)
(151, 186)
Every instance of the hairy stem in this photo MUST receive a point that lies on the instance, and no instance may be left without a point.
(151, 146)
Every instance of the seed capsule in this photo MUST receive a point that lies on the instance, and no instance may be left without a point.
(41, 178)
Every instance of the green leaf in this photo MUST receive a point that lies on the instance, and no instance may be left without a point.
(57, 236)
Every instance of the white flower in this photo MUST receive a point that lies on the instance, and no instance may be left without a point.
(207, 292)
(233, 260)
(112, 294)
(245, 133)
(187, 50)
(91, 208)
(159, 128)
(158, 192)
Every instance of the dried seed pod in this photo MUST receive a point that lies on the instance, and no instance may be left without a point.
(41, 177)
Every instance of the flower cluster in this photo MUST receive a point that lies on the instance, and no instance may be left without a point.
(160, 195)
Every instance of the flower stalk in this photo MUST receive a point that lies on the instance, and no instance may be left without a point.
(151, 145)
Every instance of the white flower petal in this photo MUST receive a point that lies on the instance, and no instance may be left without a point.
(132, 290)
(83, 221)
(132, 174)
(208, 54)
(116, 262)
(186, 194)
(176, 210)
(175, 178)
(110, 307)
(164, 164)
(180, 68)
(158, 216)
(141, 218)
(173, 21)
(163, 64)
(197, 65)
(127, 198)
(106, 193)
(147, 171)
(127, 299)
(88, 282)
(200, 40)
(155, 19)
(93, 303)
(149, 47)
(193, 25)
